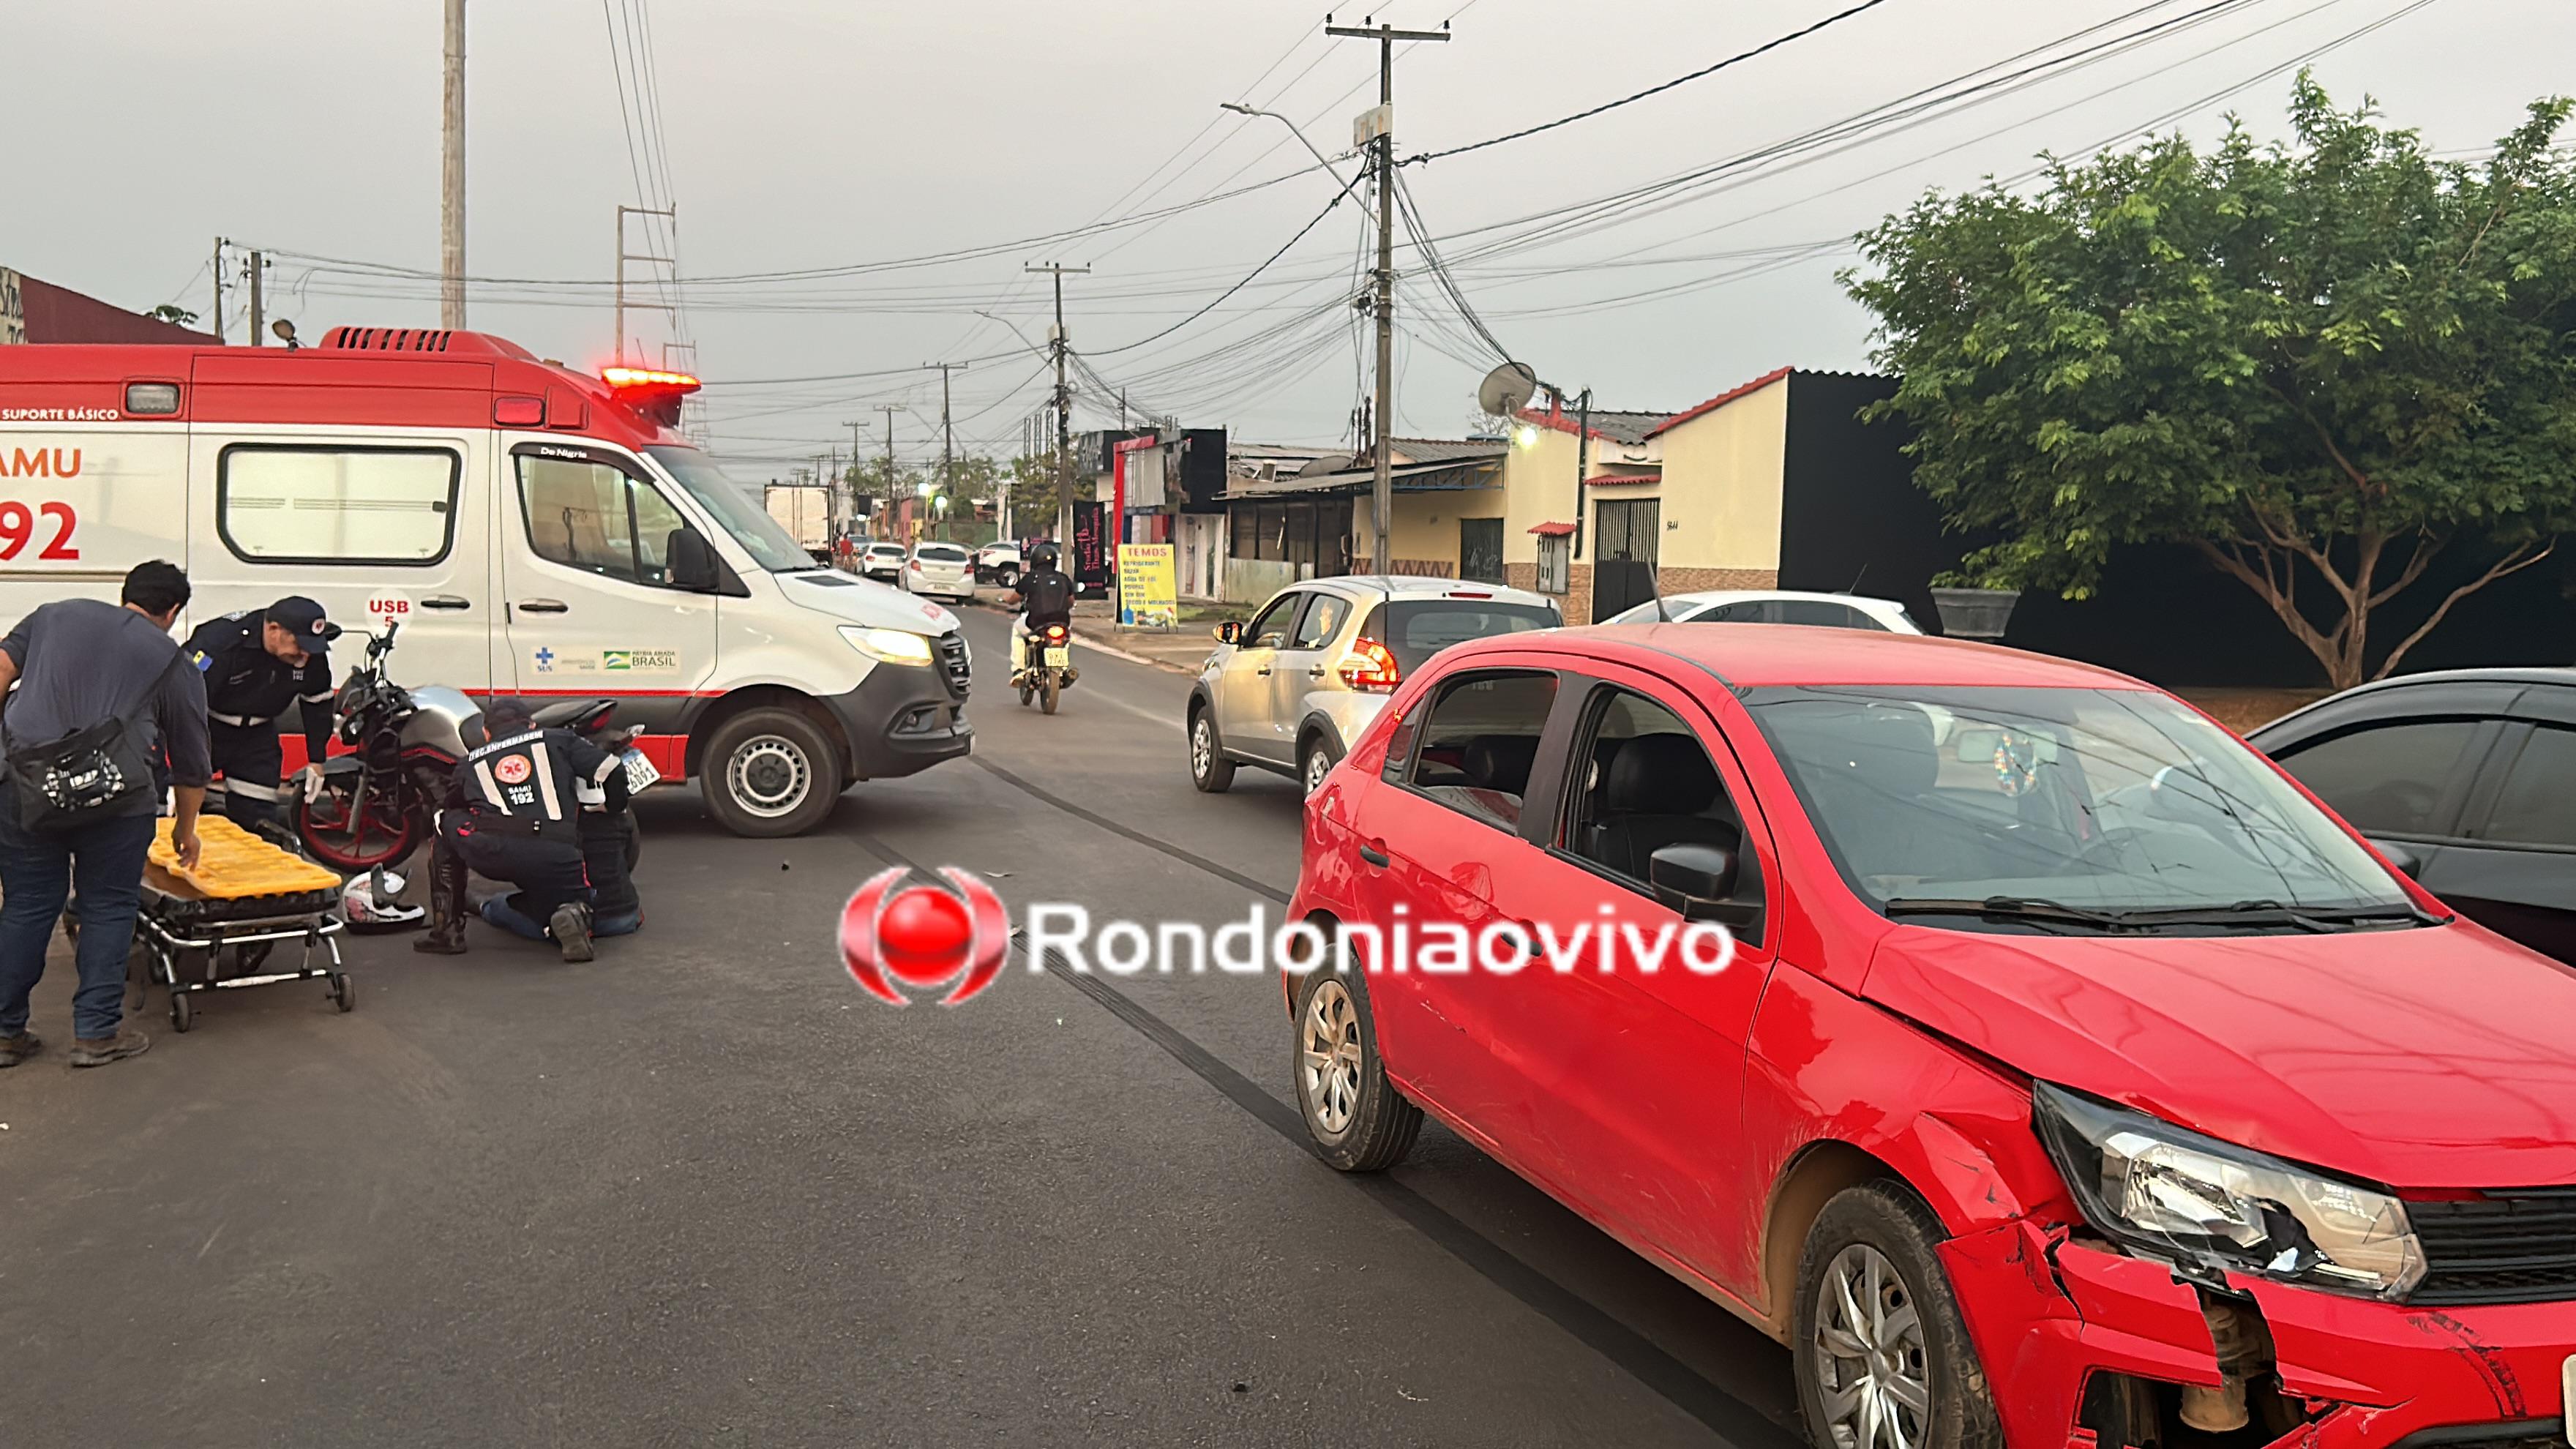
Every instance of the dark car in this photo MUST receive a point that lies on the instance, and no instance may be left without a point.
(2467, 779)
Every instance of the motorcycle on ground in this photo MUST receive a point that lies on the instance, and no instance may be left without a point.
(377, 801)
(1047, 668)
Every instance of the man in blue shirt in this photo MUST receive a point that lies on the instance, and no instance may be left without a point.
(79, 663)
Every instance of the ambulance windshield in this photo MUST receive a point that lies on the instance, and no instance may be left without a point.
(735, 510)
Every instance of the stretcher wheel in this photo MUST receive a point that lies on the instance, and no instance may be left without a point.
(183, 1012)
(344, 992)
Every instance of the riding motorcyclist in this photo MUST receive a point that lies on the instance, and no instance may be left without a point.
(1044, 595)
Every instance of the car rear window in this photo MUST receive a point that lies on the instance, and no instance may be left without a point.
(940, 553)
(1415, 629)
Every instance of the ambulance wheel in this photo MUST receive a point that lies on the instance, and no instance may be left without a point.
(344, 992)
(771, 772)
(183, 1013)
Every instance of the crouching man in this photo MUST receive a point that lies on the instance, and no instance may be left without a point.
(514, 816)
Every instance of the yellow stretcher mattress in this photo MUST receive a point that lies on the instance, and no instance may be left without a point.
(232, 863)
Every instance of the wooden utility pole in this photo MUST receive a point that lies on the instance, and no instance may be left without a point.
(219, 291)
(258, 312)
(889, 409)
(1378, 126)
(947, 436)
(451, 179)
(1058, 342)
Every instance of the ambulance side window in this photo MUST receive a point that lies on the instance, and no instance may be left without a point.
(280, 504)
(596, 518)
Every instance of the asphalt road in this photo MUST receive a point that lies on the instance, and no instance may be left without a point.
(704, 1191)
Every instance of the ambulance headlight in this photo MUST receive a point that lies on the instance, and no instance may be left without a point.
(894, 646)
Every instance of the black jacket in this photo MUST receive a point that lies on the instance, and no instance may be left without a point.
(529, 783)
(1046, 596)
(246, 686)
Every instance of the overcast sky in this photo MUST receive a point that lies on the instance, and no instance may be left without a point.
(799, 135)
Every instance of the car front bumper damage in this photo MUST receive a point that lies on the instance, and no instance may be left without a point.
(2047, 1314)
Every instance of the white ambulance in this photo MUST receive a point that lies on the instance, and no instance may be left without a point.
(536, 531)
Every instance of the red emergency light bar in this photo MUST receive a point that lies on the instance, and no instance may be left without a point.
(647, 380)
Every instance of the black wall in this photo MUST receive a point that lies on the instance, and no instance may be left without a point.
(1850, 512)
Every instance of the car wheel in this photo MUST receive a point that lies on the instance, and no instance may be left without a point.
(1883, 1356)
(1210, 770)
(1009, 578)
(1359, 1121)
(1316, 761)
(771, 772)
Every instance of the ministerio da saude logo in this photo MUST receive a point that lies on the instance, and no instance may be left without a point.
(926, 938)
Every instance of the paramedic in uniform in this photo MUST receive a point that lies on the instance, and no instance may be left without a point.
(520, 818)
(256, 663)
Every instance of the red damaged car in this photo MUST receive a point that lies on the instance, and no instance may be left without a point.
(2077, 1077)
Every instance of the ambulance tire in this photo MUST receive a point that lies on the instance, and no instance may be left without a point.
(771, 772)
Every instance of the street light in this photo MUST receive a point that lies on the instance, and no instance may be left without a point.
(1241, 109)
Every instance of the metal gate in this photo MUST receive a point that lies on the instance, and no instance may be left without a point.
(1624, 535)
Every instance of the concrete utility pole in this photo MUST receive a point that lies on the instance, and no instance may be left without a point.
(1379, 126)
(258, 314)
(624, 256)
(947, 434)
(1063, 404)
(219, 291)
(889, 409)
(451, 179)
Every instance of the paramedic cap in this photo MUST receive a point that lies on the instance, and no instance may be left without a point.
(303, 618)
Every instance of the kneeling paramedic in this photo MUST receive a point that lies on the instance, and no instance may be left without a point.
(1044, 596)
(513, 816)
(616, 909)
(256, 663)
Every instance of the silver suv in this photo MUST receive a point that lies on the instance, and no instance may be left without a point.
(1288, 691)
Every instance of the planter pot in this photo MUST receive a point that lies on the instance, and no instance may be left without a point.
(1975, 613)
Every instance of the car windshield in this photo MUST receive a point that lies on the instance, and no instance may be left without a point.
(2106, 800)
(1416, 629)
(738, 513)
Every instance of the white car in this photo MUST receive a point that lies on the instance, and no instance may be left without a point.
(943, 569)
(998, 563)
(882, 561)
(1775, 606)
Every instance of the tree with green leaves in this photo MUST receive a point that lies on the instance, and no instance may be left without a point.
(2322, 364)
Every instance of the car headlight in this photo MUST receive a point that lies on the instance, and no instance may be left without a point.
(894, 646)
(2206, 1205)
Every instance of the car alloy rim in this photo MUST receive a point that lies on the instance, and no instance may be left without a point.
(1331, 1054)
(1318, 765)
(768, 776)
(1202, 747)
(1873, 1378)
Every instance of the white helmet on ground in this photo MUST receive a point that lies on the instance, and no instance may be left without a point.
(373, 902)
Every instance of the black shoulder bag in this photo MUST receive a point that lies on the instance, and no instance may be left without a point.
(86, 775)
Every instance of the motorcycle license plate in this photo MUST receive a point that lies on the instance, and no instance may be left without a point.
(639, 771)
(1058, 656)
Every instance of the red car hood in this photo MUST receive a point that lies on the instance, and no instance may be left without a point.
(2443, 1057)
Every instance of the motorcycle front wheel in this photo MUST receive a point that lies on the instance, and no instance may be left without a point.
(351, 835)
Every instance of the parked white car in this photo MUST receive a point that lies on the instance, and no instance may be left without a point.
(1775, 606)
(1290, 690)
(883, 562)
(942, 569)
(998, 563)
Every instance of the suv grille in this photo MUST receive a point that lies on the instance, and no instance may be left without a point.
(952, 663)
(2508, 1247)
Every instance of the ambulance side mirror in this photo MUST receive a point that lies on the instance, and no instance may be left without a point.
(690, 562)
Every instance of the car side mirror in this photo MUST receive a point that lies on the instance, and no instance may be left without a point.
(1700, 882)
(1229, 632)
(2406, 858)
(689, 561)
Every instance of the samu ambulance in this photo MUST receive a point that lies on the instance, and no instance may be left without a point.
(534, 530)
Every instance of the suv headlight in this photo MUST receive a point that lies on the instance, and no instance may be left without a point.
(2206, 1205)
(894, 646)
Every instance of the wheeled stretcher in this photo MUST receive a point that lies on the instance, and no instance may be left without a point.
(214, 928)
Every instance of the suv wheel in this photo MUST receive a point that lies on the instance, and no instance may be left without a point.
(1883, 1357)
(1359, 1121)
(1316, 761)
(771, 772)
(1210, 770)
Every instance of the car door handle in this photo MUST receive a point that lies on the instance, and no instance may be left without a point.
(446, 601)
(545, 606)
(1263, 671)
(1373, 856)
(1315, 672)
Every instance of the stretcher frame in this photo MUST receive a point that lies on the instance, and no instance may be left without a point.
(166, 941)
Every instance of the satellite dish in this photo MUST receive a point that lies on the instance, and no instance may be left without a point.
(1507, 389)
